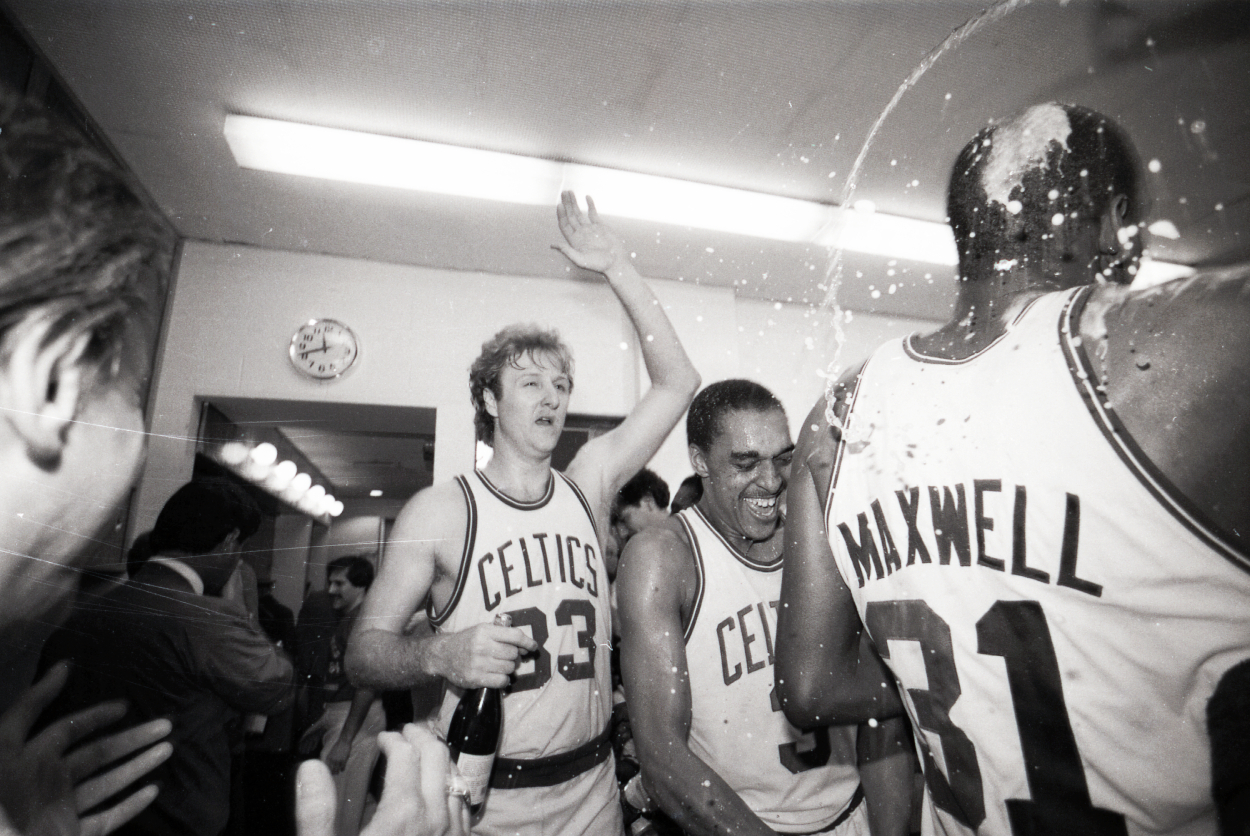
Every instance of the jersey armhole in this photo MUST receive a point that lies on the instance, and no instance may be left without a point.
(581, 497)
(1229, 544)
(697, 558)
(466, 555)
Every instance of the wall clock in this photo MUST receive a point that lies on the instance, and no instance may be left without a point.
(323, 348)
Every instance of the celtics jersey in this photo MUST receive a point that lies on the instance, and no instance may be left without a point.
(538, 562)
(795, 782)
(1056, 614)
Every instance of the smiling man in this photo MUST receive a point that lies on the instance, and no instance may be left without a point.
(698, 603)
(517, 537)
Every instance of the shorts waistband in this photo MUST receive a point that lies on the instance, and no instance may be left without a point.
(856, 799)
(514, 773)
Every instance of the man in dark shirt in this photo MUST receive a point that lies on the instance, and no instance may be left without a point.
(171, 648)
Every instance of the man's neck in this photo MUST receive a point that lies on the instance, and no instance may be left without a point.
(523, 478)
(983, 311)
(767, 550)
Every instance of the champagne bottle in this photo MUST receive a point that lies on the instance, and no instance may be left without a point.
(473, 735)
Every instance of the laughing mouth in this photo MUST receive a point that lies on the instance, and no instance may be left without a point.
(764, 506)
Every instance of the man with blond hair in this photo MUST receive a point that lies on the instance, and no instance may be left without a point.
(520, 538)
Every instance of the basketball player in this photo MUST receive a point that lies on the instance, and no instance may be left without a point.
(698, 598)
(517, 537)
(1040, 511)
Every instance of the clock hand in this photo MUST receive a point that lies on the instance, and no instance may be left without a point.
(313, 351)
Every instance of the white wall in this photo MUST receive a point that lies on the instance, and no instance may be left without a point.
(234, 310)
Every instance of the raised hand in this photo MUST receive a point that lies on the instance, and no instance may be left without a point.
(45, 789)
(415, 800)
(592, 244)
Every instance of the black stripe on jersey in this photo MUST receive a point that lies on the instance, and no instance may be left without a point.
(920, 357)
(1085, 377)
(581, 497)
(742, 558)
(698, 574)
(466, 557)
(516, 503)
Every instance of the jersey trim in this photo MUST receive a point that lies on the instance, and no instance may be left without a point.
(1085, 377)
(516, 503)
(697, 555)
(466, 556)
(581, 497)
(920, 357)
(742, 558)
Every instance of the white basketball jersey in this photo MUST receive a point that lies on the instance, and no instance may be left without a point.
(539, 562)
(1056, 613)
(794, 782)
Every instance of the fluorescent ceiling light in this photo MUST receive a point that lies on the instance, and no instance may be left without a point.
(371, 159)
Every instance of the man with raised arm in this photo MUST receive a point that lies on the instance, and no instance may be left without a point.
(698, 603)
(1039, 513)
(517, 537)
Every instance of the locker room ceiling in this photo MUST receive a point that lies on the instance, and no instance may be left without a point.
(776, 97)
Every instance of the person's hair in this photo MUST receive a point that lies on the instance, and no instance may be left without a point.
(688, 493)
(505, 349)
(703, 421)
(79, 246)
(359, 570)
(1014, 180)
(201, 514)
(645, 482)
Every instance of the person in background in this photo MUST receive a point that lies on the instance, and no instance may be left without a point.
(1048, 500)
(640, 503)
(84, 265)
(688, 493)
(352, 718)
(698, 600)
(543, 534)
(170, 647)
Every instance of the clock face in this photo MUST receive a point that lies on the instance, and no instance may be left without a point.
(323, 348)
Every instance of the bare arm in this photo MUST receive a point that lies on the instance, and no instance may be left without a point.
(605, 463)
(426, 542)
(337, 757)
(827, 669)
(887, 771)
(656, 575)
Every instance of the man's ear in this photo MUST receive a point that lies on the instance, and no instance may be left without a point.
(1114, 218)
(41, 387)
(698, 461)
(492, 406)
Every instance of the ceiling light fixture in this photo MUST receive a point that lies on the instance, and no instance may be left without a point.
(394, 162)
(372, 159)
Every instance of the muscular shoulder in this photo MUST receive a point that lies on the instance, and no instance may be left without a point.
(657, 560)
(1177, 363)
(437, 516)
